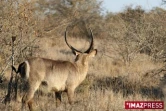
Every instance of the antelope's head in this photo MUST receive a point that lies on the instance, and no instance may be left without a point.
(83, 57)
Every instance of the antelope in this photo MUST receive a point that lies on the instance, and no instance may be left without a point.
(59, 76)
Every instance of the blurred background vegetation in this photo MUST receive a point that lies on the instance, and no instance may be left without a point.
(132, 31)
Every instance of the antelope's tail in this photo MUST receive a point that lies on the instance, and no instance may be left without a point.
(14, 69)
(23, 69)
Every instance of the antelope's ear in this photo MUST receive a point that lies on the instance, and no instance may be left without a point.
(93, 53)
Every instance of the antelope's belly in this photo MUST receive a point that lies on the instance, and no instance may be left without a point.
(57, 88)
(56, 85)
(56, 81)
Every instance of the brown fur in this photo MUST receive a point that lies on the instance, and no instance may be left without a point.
(57, 75)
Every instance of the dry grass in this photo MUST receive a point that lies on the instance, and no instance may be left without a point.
(98, 100)
(109, 82)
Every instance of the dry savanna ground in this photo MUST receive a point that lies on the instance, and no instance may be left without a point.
(109, 83)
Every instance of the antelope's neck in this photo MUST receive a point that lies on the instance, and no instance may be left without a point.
(82, 70)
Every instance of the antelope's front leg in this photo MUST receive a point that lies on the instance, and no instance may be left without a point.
(70, 93)
(58, 98)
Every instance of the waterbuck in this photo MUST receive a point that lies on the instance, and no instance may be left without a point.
(57, 75)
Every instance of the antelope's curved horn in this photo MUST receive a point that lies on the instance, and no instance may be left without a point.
(91, 44)
(72, 48)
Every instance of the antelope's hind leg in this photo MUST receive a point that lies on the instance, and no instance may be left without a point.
(28, 97)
